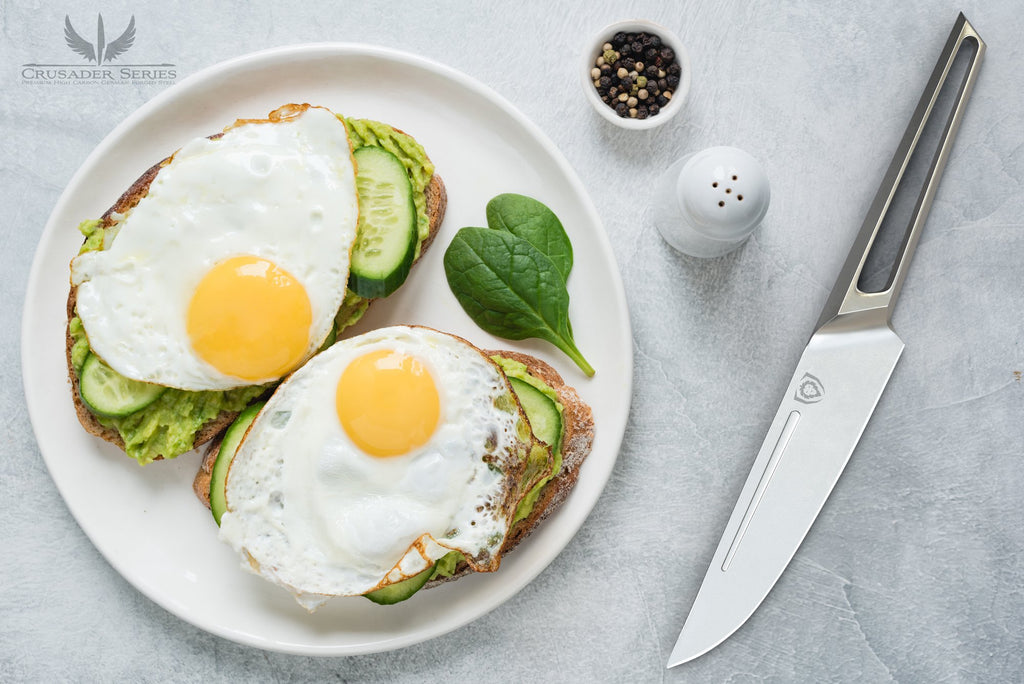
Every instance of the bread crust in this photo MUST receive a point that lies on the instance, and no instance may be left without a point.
(436, 203)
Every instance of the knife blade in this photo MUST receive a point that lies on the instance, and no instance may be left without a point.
(838, 381)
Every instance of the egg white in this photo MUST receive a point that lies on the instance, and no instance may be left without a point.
(308, 510)
(282, 191)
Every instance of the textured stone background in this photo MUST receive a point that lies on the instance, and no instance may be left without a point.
(913, 572)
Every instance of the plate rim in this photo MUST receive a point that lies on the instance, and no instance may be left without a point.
(267, 58)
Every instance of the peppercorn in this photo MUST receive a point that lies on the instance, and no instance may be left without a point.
(635, 74)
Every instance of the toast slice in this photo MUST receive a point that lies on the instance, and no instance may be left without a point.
(436, 203)
(577, 439)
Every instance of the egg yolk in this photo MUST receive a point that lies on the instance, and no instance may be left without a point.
(250, 319)
(387, 403)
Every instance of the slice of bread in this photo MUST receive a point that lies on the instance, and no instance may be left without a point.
(577, 439)
(436, 203)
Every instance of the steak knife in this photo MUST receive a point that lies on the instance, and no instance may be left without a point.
(837, 384)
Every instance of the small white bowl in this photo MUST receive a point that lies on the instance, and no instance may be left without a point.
(592, 50)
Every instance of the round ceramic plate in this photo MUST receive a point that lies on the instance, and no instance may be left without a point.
(146, 521)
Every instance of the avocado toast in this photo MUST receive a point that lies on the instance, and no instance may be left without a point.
(559, 422)
(174, 421)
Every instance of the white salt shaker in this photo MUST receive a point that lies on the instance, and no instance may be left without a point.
(706, 204)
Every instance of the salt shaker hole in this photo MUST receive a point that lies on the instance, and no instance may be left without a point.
(721, 203)
(715, 184)
(735, 177)
(728, 190)
(739, 197)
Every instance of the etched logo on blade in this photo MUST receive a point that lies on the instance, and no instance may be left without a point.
(809, 390)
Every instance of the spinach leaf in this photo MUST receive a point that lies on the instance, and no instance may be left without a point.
(535, 223)
(510, 289)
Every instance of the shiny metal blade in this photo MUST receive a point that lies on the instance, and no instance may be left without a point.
(830, 399)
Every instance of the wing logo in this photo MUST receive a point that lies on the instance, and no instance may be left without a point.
(809, 390)
(99, 52)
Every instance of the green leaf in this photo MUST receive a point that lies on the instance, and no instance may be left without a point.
(534, 222)
(510, 289)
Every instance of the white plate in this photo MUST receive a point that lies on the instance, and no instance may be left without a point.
(146, 521)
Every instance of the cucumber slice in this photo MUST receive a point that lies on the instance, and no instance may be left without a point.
(107, 393)
(387, 235)
(228, 447)
(541, 411)
(399, 591)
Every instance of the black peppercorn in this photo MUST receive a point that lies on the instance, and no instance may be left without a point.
(635, 74)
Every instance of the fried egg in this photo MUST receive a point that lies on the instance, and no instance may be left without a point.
(376, 458)
(230, 270)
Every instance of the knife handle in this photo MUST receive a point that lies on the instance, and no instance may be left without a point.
(846, 297)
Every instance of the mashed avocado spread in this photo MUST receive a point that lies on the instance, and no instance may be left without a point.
(169, 425)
